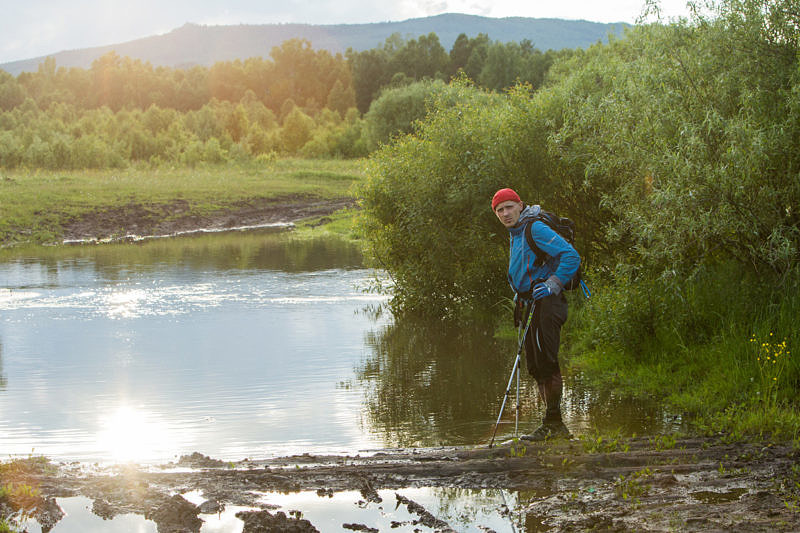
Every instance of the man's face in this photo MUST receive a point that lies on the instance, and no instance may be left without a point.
(508, 212)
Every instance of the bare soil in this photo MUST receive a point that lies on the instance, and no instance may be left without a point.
(698, 484)
(178, 216)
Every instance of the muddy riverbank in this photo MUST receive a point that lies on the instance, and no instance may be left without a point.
(137, 220)
(640, 484)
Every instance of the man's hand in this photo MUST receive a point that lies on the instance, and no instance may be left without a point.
(544, 289)
(540, 290)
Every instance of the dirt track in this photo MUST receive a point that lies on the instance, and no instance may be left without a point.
(695, 485)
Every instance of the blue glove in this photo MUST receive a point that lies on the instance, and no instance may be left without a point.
(540, 290)
(547, 287)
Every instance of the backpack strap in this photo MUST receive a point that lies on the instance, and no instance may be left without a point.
(540, 255)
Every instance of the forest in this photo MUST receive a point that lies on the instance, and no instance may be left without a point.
(298, 102)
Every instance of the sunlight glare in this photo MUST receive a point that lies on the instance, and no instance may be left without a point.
(129, 434)
(125, 304)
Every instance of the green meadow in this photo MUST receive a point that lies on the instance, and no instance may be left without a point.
(37, 203)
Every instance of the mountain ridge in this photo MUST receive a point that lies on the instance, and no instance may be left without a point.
(194, 44)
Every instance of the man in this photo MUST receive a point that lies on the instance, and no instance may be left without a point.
(539, 283)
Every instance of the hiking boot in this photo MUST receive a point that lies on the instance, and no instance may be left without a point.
(549, 431)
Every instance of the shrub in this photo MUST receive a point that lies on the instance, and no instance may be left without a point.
(213, 152)
(296, 132)
(426, 214)
(396, 109)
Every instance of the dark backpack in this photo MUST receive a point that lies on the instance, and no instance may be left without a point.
(564, 227)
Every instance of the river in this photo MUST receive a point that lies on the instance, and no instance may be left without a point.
(243, 345)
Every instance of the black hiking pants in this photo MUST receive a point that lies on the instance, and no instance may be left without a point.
(541, 351)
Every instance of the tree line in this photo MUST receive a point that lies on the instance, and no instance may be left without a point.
(300, 101)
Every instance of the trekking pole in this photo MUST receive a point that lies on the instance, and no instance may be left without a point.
(519, 355)
(516, 409)
(514, 371)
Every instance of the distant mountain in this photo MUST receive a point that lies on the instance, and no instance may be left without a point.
(192, 44)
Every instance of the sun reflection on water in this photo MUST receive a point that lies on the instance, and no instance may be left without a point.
(130, 434)
(125, 303)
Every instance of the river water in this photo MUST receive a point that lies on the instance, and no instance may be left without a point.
(244, 345)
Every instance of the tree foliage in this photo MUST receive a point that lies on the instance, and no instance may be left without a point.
(425, 58)
(696, 125)
(673, 149)
(396, 110)
(122, 111)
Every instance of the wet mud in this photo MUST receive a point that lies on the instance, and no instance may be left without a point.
(696, 484)
(137, 220)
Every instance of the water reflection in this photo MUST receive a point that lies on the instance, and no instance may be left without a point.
(3, 380)
(463, 510)
(593, 409)
(262, 250)
(442, 384)
(233, 346)
(430, 384)
(132, 434)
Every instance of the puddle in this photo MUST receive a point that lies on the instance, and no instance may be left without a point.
(78, 518)
(461, 509)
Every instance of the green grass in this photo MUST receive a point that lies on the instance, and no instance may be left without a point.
(17, 490)
(341, 223)
(725, 359)
(35, 204)
(633, 487)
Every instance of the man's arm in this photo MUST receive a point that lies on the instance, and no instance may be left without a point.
(556, 246)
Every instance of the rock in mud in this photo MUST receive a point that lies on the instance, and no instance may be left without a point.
(198, 460)
(211, 507)
(260, 521)
(176, 515)
(103, 509)
(369, 493)
(360, 527)
(425, 517)
(48, 513)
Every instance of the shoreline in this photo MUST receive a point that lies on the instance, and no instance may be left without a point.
(139, 238)
(696, 484)
(44, 207)
(138, 222)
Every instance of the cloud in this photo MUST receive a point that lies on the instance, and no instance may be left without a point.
(433, 7)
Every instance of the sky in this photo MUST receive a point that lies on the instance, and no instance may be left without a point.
(34, 28)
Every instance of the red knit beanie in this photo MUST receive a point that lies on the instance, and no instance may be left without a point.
(504, 195)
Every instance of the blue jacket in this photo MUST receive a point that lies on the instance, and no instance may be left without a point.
(562, 260)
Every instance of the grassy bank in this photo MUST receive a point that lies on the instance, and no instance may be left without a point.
(717, 348)
(342, 224)
(36, 204)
